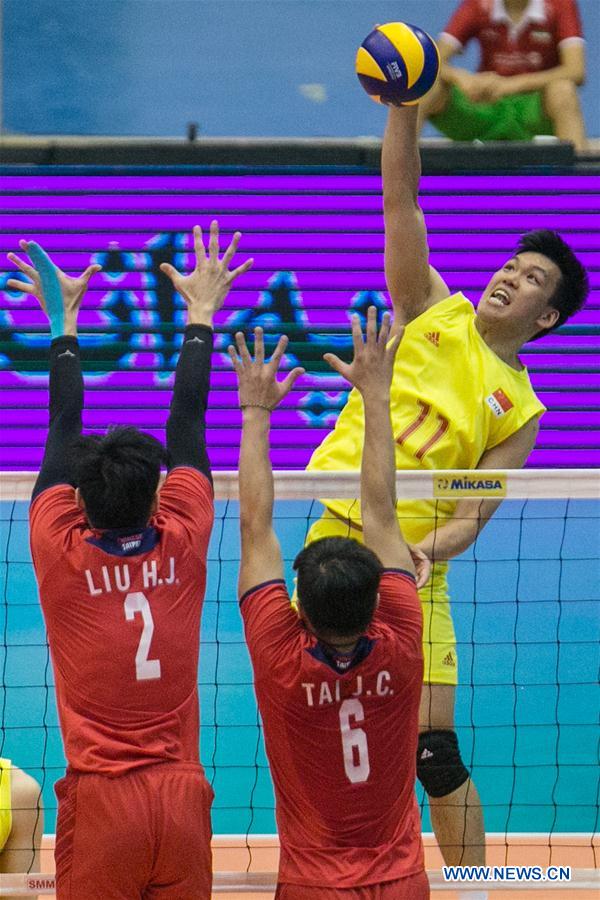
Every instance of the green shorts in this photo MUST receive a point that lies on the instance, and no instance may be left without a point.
(516, 118)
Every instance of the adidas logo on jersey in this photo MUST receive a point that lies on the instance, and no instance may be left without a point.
(449, 660)
(426, 754)
(433, 337)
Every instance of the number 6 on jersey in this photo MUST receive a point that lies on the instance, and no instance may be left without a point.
(354, 742)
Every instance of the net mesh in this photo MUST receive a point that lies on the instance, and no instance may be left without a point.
(525, 606)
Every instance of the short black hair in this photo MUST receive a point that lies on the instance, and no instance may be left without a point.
(117, 474)
(338, 581)
(573, 287)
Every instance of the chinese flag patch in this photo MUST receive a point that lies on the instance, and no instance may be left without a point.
(504, 401)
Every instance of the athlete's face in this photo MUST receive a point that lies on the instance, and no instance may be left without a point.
(519, 294)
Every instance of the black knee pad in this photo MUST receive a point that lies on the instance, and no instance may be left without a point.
(439, 766)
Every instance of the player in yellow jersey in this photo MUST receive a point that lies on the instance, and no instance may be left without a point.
(21, 820)
(460, 399)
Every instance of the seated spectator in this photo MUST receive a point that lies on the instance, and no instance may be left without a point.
(532, 61)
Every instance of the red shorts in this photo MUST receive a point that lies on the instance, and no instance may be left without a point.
(415, 887)
(144, 834)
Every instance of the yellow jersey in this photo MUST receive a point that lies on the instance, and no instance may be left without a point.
(452, 399)
(5, 802)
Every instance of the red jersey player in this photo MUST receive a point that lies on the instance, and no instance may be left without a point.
(532, 61)
(338, 683)
(121, 569)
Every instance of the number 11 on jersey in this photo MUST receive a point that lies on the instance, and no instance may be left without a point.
(420, 420)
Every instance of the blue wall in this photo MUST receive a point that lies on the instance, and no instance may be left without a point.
(148, 67)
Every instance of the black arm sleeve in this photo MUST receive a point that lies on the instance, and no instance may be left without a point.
(66, 404)
(186, 425)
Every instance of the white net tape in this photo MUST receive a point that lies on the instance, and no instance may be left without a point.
(514, 484)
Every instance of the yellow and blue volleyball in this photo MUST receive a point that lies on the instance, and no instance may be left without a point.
(397, 63)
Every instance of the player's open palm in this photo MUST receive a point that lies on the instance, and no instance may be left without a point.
(257, 379)
(59, 294)
(372, 367)
(206, 287)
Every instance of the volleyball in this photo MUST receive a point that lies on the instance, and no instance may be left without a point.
(397, 63)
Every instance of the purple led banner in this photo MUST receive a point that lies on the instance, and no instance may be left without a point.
(486, 220)
(317, 274)
(333, 259)
(497, 242)
(210, 204)
(318, 244)
(290, 184)
(29, 458)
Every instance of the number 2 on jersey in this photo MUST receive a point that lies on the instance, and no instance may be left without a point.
(354, 742)
(145, 669)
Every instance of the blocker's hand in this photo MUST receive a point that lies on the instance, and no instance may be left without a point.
(372, 367)
(205, 289)
(257, 379)
(59, 294)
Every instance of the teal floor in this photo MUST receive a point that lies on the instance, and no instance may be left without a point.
(527, 615)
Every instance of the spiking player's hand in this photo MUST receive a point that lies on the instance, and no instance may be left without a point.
(257, 379)
(422, 564)
(372, 367)
(58, 294)
(205, 289)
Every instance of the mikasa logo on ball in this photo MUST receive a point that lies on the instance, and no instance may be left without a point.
(394, 71)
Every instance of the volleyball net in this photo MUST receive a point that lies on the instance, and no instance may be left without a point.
(525, 601)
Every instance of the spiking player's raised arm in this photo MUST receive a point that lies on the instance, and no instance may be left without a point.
(412, 283)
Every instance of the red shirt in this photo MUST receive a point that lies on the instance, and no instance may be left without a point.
(341, 737)
(532, 45)
(123, 621)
